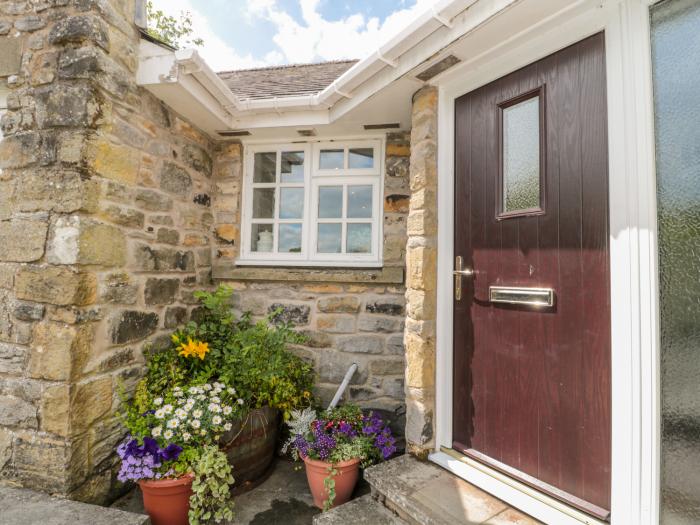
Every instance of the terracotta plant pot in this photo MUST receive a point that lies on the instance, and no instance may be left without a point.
(167, 501)
(345, 480)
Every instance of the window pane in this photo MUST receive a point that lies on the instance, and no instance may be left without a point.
(292, 168)
(329, 238)
(521, 156)
(265, 167)
(291, 203)
(360, 202)
(264, 203)
(361, 158)
(330, 202)
(675, 56)
(290, 238)
(331, 159)
(359, 238)
(262, 238)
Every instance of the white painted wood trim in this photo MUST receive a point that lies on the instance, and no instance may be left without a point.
(633, 244)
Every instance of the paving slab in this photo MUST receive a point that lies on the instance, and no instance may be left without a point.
(364, 510)
(422, 493)
(26, 507)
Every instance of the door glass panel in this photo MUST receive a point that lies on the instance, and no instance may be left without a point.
(262, 238)
(331, 159)
(359, 238)
(265, 167)
(292, 166)
(290, 238)
(360, 202)
(291, 203)
(521, 156)
(263, 203)
(329, 238)
(361, 158)
(330, 202)
(675, 58)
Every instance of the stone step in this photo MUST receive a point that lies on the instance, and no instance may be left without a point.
(24, 506)
(363, 510)
(422, 493)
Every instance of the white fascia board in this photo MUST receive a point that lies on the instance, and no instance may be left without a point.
(279, 120)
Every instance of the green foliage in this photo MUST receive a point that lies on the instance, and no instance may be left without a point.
(211, 498)
(329, 485)
(176, 32)
(251, 357)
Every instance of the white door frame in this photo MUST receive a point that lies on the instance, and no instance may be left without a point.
(633, 250)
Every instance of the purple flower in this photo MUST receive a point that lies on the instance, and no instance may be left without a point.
(142, 461)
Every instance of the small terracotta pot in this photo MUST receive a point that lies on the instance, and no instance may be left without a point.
(167, 501)
(345, 480)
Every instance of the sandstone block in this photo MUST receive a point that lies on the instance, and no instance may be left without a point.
(316, 339)
(227, 233)
(336, 324)
(333, 366)
(115, 162)
(16, 412)
(29, 312)
(55, 285)
(421, 305)
(23, 240)
(12, 358)
(76, 240)
(163, 259)
(10, 55)
(58, 350)
(339, 304)
(61, 191)
(396, 203)
(197, 159)
(420, 362)
(419, 422)
(297, 314)
(55, 410)
(360, 344)
(386, 305)
(26, 149)
(377, 323)
(397, 167)
(132, 325)
(387, 367)
(119, 289)
(175, 316)
(421, 268)
(168, 236)
(77, 29)
(394, 345)
(92, 400)
(174, 179)
(63, 105)
(161, 291)
(123, 216)
(153, 201)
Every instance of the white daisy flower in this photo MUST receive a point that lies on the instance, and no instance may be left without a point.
(168, 409)
(216, 420)
(197, 413)
(213, 407)
(202, 432)
(201, 397)
(195, 423)
(156, 431)
(160, 413)
(227, 426)
(240, 401)
(231, 390)
(177, 393)
(227, 410)
(180, 413)
(186, 436)
(173, 423)
(168, 434)
(216, 399)
(206, 386)
(158, 401)
(193, 390)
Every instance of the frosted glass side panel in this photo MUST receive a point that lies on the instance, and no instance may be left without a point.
(675, 35)
(521, 156)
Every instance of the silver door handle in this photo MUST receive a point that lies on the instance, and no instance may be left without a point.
(460, 272)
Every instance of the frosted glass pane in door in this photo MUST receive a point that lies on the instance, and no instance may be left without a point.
(675, 34)
(521, 156)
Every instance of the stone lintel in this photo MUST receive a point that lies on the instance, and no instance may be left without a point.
(387, 275)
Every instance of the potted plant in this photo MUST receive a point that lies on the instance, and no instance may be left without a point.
(172, 450)
(334, 445)
(251, 357)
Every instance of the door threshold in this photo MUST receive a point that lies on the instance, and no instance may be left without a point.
(519, 495)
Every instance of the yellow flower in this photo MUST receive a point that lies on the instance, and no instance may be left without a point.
(194, 348)
(175, 338)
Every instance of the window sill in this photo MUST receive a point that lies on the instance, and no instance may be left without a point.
(386, 275)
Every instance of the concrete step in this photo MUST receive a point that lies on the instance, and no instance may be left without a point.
(363, 510)
(422, 493)
(25, 507)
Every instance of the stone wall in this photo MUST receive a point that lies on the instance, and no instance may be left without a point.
(348, 316)
(421, 275)
(105, 226)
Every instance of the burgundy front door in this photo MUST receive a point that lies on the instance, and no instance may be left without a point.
(532, 381)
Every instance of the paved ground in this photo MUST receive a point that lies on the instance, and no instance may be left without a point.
(283, 498)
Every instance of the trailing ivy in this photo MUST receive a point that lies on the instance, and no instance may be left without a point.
(211, 497)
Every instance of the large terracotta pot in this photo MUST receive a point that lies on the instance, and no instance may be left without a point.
(167, 501)
(345, 480)
(250, 446)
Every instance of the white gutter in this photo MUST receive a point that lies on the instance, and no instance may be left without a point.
(171, 67)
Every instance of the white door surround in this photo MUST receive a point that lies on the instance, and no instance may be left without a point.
(633, 240)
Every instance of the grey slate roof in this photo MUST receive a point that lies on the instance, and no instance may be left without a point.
(284, 81)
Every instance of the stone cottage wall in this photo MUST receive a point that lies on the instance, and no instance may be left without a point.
(105, 226)
(421, 278)
(348, 315)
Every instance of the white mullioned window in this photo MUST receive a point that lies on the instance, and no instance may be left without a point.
(313, 204)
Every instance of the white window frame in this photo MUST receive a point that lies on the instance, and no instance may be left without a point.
(313, 179)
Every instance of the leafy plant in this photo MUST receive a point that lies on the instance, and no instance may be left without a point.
(173, 31)
(211, 497)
